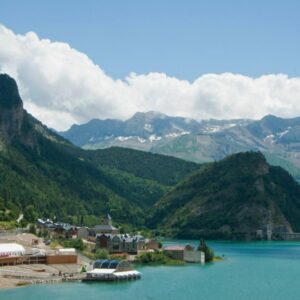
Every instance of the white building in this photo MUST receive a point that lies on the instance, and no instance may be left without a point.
(110, 270)
(67, 251)
(11, 250)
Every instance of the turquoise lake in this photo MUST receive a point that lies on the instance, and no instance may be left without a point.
(260, 270)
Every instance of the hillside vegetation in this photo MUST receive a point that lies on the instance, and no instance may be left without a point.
(239, 194)
(42, 174)
(163, 169)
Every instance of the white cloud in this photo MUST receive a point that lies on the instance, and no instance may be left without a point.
(61, 86)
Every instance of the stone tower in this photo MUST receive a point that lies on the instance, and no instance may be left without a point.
(109, 220)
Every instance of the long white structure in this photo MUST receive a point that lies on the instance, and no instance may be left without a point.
(112, 274)
(11, 250)
(67, 251)
(110, 270)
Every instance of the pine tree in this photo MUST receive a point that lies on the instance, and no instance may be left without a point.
(209, 253)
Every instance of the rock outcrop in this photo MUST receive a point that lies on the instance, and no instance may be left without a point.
(233, 198)
(11, 109)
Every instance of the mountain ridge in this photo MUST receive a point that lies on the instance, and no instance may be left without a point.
(232, 198)
(44, 175)
(197, 141)
(57, 179)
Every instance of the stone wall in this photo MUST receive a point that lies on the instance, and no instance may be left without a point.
(193, 256)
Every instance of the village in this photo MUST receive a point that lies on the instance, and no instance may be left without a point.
(100, 253)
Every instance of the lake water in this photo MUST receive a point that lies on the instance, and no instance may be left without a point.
(260, 270)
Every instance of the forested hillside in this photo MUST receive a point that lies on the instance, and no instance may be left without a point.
(41, 174)
(235, 196)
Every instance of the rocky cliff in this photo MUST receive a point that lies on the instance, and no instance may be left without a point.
(230, 199)
(11, 109)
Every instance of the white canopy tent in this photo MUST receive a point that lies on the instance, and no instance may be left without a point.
(11, 249)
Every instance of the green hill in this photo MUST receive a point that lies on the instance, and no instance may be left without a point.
(229, 199)
(41, 174)
(163, 169)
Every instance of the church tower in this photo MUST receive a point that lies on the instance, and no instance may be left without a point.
(109, 220)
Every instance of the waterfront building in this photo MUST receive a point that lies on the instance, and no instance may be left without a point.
(152, 244)
(120, 243)
(185, 253)
(102, 240)
(112, 270)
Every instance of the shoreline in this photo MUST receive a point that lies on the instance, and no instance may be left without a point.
(14, 281)
(10, 282)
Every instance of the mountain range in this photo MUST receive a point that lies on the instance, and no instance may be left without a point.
(44, 175)
(197, 141)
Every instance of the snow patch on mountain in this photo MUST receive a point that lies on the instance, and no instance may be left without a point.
(212, 129)
(154, 138)
(176, 134)
(148, 127)
(281, 134)
(217, 128)
(127, 138)
(270, 138)
(123, 138)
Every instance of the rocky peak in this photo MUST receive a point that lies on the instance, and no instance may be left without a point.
(148, 116)
(11, 108)
(9, 93)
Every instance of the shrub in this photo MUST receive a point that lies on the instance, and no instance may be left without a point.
(209, 253)
(101, 254)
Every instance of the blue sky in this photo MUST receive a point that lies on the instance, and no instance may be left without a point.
(184, 39)
(78, 60)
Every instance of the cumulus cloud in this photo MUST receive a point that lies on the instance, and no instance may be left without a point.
(61, 86)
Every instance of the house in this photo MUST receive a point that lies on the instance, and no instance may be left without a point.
(130, 245)
(141, 242)
(102, 240)
(106, 228)
(67, 230)
(45, 224)
(120, 243)
(91, 234)
(175, 252)
(152, 244)
(125, 243)
(194, 256)
(115, 244)
(83, 232)
(186, 253)
(57, 228)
